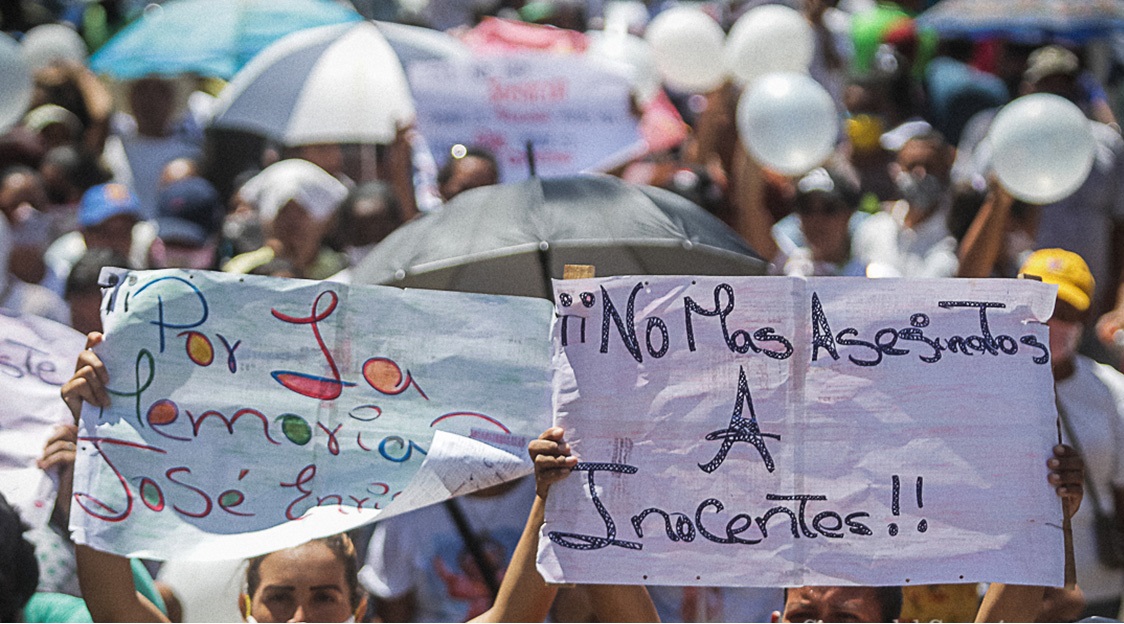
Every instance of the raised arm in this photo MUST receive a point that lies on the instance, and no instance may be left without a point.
(106, 580)
(89, 380)
(1023, 603)
(979, 251)
(524, 596)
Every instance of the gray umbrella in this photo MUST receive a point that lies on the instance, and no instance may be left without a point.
(510, 239)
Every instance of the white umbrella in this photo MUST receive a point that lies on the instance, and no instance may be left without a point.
(333, 84)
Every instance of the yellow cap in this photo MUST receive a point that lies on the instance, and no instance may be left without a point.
(1066, 269)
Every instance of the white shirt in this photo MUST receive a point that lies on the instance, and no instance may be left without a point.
(926, 250)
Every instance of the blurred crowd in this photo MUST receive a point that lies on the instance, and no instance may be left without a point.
(102, 173)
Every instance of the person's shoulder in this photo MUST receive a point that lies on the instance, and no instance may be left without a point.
(1106, 374)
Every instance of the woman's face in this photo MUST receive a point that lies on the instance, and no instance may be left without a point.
(302, 584)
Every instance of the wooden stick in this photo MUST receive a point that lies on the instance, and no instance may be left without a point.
(1067, 535)
(578, 271)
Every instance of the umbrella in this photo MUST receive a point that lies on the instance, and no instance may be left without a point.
(510, 239)
(413, 44)
(1025, 20)
(209, 37)
(333, 84)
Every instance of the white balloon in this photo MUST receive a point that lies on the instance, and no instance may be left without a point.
(687, 45)
(1042, 148)
(631, 55)
(767, 39)
(48, 43)
(788, 122)
(15, 95)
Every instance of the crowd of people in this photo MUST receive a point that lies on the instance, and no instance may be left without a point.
(98, 173)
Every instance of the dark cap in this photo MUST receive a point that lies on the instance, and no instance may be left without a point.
(192, 200)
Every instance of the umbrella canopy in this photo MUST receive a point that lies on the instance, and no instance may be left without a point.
(511, 239)
(1025, 20)
(209, 37)
(334, 84)
(413, 44)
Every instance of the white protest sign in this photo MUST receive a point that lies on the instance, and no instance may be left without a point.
(783, 432)
(250, 414)
(36, 357)
(577, 113)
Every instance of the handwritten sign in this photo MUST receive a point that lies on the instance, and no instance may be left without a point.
(576, 113)
(36, 357)
(783, 432)
(249, 414)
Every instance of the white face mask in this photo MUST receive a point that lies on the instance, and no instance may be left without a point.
(1065, 336)
(923, 193)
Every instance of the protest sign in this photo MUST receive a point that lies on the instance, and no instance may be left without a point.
(783, 432)
(249, 414)
(575, 112)
(36, 357)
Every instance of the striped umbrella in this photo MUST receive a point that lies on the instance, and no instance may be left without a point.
(334, 84)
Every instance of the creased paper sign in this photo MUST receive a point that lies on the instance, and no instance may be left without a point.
(249, 414)
(577, 114)
(783, 432)
(36, 357)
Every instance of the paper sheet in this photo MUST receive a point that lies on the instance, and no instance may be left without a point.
(249, 414)
(784, 432)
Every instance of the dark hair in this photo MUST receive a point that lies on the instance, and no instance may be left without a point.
(19, 570)
(348, 228)
(889, 601)
(446, 171)
(80, 169)
(83, 278)
(341, 547)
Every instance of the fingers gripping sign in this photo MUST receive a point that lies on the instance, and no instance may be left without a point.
(89, 381)
(552, 458)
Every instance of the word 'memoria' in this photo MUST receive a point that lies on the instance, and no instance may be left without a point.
(248, 414)
(783, 432)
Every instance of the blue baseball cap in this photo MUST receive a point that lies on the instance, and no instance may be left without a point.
(191, 201)
(104, 201)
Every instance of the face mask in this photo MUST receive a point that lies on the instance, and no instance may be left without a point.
(1064, 339)
(923, 193)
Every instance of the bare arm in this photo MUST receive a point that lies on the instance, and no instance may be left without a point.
(747, 192)
(106, 580)
(99, 103)
(107, 587)
(980, 248)
(622, 603)
(524, 596)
